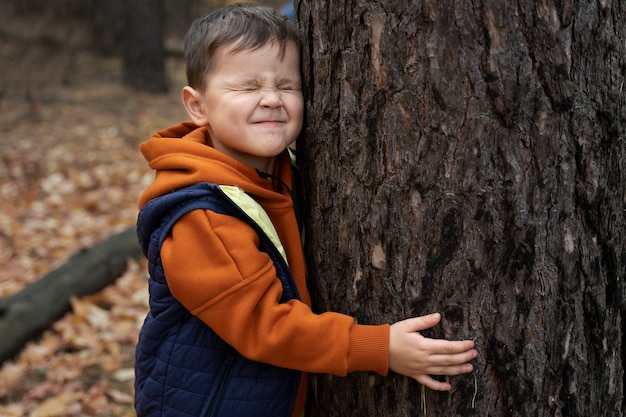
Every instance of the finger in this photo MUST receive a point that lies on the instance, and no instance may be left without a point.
(416, 324)
(433, 384)
(451, 370)
(452, 359)
(450, 347)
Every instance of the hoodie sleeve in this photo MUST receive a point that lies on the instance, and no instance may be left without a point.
(215, 269)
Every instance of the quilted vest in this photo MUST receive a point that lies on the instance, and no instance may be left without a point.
(182, 367)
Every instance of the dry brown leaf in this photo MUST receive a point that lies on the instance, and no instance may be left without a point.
(10, 375)
(63, 368)
(95, 401)
(59, 406)
(39, 352)
(13, 410)
(126, 374)
(120, 397)
(110, 363)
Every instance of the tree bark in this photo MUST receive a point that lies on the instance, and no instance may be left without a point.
(108, 26)
(469, 157)
(40, 304)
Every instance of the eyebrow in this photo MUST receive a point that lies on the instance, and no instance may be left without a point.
(295, 82)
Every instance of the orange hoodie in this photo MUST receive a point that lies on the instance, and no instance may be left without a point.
(240, 301)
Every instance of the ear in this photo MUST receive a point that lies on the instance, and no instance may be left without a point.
(195, 106)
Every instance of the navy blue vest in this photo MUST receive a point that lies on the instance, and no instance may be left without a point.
(182, 368)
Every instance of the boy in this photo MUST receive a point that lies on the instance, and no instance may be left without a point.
(230, 330)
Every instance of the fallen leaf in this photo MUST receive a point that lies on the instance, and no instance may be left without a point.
(127, 374)
(57, 406)
(120, 397)
(95, 401)
(11, 411)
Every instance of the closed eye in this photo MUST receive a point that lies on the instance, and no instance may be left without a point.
(245, 85)
(289, 87)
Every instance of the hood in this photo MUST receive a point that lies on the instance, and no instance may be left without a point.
(183, 155)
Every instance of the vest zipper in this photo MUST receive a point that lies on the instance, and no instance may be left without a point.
(214, 401)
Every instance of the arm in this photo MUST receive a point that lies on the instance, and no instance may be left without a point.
(215, 269)
(418, 357)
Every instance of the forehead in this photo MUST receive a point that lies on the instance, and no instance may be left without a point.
(286, 50)
(267, 57)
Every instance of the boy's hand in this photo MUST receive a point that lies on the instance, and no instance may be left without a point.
(418, 357)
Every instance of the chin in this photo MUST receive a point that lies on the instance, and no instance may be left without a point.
(276, 148)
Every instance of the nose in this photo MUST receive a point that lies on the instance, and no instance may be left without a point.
(271, 98)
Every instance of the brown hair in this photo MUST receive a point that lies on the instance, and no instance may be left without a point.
(250, 26)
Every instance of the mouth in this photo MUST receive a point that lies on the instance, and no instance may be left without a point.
(269, 122)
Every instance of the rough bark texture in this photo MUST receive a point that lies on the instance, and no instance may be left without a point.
(40, 304)
(469, 157)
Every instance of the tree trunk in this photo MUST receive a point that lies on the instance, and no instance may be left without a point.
(469, 157)
(40, 304)
(108, 26)
(144, 56)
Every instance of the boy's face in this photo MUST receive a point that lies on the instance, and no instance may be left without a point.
(252, 104)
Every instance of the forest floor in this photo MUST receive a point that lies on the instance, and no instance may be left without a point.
(70, 176)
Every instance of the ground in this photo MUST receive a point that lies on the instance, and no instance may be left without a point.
(70, 175)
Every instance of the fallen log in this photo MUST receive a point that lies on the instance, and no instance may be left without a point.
(28, 313)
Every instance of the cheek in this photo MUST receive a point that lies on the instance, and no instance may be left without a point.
(299, 121)
(235, 117)
(239, 107)
(296, 109)
(296, 128)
